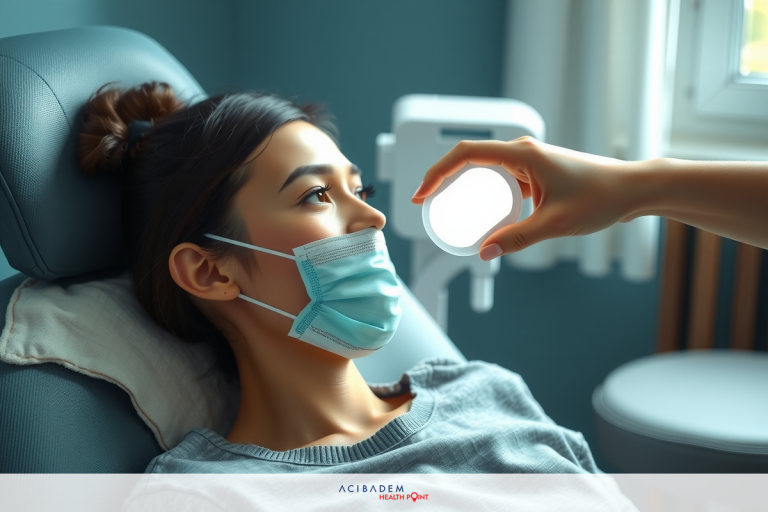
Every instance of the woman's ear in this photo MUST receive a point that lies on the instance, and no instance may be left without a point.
(196, 272)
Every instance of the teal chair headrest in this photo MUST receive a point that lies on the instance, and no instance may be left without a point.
(55, 221)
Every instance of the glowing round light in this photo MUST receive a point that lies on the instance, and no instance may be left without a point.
(470, 205)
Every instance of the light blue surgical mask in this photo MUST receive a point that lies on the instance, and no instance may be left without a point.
(354, 306)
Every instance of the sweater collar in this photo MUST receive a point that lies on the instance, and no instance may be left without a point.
(393, 433)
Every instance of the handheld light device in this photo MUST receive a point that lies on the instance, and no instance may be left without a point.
(424, 128)
(469, 206)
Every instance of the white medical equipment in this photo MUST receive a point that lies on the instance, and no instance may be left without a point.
(426, 127)
(469, 206)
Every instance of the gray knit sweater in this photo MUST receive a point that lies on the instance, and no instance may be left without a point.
(473, 417)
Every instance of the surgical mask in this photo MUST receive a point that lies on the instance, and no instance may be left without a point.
(354, 306)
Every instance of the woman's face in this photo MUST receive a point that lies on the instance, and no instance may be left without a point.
(301, 189)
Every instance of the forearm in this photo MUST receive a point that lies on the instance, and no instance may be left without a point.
(726, 198)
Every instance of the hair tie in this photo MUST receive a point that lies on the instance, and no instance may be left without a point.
(136, 130)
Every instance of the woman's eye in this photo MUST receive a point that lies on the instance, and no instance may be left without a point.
(318, 196)
(365, 192)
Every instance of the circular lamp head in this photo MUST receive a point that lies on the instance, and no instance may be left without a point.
(470, 205)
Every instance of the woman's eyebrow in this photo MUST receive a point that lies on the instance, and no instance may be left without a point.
(314, 169)
(307, 169)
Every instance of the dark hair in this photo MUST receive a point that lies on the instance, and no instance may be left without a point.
(180, 181)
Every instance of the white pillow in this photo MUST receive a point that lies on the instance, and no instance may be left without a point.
(97, 328)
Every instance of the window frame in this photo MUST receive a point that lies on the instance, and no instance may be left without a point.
(722, 91)
(694, 134)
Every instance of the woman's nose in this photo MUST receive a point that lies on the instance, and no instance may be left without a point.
(363, 215)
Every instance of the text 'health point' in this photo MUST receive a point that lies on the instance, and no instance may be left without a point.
(469, 206)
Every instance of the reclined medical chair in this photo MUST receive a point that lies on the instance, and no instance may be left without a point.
(700, 410)
(56, 224)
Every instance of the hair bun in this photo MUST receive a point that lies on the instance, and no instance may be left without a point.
(106, 138)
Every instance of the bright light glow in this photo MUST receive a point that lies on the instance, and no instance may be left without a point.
(470, 206)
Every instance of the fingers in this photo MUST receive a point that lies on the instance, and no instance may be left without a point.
(517, 237)
(482, 152)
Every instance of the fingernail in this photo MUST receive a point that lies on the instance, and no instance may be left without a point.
(490, 252)
(418, 190)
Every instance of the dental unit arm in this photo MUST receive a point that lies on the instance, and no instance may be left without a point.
(426, 127)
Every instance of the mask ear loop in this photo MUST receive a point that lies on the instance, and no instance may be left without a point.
(259, 303)
(249, 246)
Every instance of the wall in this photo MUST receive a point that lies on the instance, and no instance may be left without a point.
(359, 57)
(26, 16)
(197, 32)
(563, 333)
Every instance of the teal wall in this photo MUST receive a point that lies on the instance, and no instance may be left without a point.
(562, 332)
(198, 32)
(359, 57)
(26, 16)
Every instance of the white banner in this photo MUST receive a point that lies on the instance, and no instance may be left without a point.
(470, 492)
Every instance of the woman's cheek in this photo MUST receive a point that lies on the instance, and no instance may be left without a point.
(313, 231)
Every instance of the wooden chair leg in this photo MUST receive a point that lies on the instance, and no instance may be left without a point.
(672, 284)
(745, 293)
(706, 273)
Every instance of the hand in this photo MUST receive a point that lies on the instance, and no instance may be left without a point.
(573, 193)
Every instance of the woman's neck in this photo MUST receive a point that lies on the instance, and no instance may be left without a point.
(295, 394)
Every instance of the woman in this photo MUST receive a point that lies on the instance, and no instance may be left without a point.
(219, 196)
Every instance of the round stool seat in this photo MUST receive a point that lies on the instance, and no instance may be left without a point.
(691, 411)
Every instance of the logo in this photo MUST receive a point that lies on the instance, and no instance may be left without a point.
(385, 492)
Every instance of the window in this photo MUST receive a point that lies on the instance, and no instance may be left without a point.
(753, 54)
(726, 51)
(721, 81)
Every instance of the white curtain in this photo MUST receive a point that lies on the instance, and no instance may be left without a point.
(600, 73)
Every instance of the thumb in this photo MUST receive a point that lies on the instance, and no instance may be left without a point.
(517, 236)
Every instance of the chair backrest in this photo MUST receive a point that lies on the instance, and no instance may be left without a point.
(58, 223)
(689, 295)
(55, 221)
